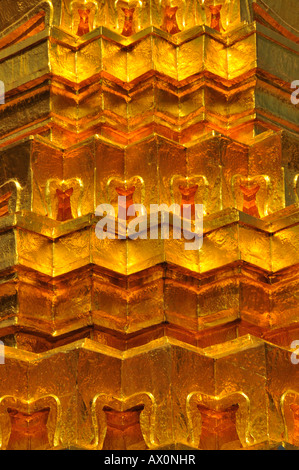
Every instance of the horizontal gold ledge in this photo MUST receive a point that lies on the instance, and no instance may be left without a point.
(55, 250)
(164, 299)
(114, 59)
(63, 133)
(53, 229)
(215, 352)
(103, 81)
(24, 334)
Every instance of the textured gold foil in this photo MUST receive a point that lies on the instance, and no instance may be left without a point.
(122, 344)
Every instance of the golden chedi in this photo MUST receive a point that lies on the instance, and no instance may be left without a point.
(122, 343)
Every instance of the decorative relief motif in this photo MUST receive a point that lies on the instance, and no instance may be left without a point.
(133, 189)
(246, 191)
(129, 421)
(29, 425)
(189, 190)
(218, 427)
(83, 27)
(64, 204)
(188, 198)
(64, 198)
(128, 28)
(128, 202)
(249, 200)
(216, 17)
(212, 420)
(81, 15)
(170, 24)
(105, 104)
(125, 16)
(123, 429)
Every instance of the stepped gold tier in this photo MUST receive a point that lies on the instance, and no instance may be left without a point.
(236, 85)
(149, 342)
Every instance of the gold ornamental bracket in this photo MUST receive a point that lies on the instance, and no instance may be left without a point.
(115, 184)
(83, 16)
(128, 17)
(59, 193)
(251, 194)
(144, 402)
(124, 16)
(217, 14)
(220, 14)
(200, 182)
(27, 422)
(128, 21)
(237, 403)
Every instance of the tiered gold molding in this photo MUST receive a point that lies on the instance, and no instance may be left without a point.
(141, 344)
(233, 85)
